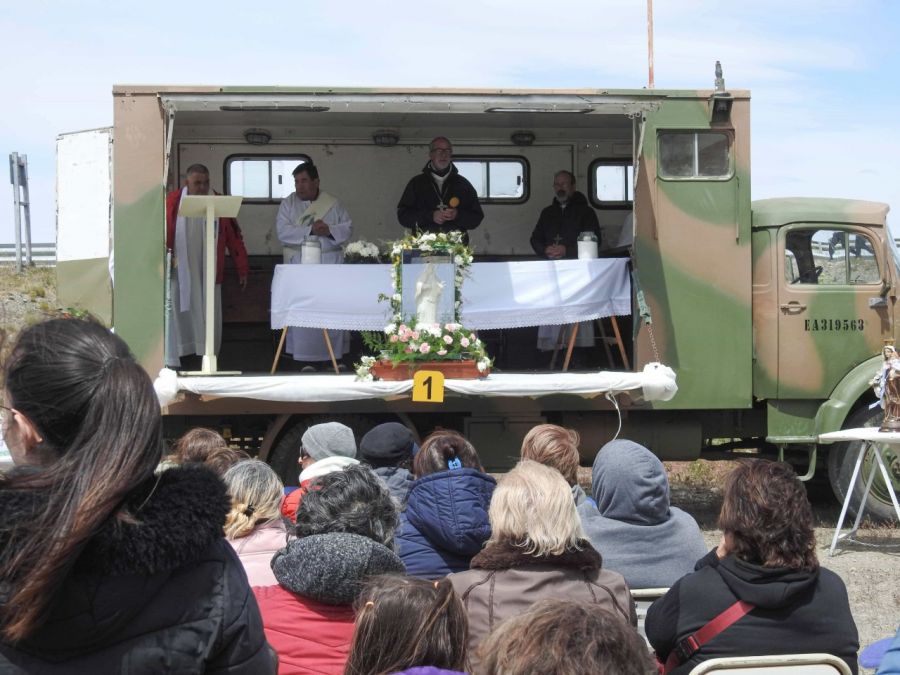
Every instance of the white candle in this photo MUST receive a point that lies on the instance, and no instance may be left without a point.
(311, 253)
(587, 250)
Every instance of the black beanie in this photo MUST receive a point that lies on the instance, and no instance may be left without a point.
(387, 444)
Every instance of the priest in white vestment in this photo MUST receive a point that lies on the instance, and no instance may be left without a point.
(311, 212)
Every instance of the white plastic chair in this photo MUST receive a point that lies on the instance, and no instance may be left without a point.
(793, 664)
(643, 598)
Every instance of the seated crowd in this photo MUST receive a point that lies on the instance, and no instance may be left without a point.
(388, 558)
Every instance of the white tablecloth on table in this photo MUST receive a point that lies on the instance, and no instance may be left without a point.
(495, 295)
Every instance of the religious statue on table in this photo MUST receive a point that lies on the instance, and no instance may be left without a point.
(889, 386)
(428, 295)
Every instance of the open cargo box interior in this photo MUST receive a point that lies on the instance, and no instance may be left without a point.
(337, 132)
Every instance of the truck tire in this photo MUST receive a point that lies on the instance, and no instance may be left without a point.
(842, 457)
(286, 452)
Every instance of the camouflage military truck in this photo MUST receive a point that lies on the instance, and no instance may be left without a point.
(772, 313)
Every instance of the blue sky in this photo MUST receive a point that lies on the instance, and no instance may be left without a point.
(822, 73)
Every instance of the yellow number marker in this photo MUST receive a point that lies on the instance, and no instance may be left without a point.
(428, 386)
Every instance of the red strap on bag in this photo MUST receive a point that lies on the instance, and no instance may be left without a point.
(685, 649)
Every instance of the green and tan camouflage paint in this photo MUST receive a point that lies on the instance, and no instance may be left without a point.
(84, 285)
(139, 224)
(804, 353)
(692, 256)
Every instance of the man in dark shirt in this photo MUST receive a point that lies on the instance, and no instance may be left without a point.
(556, 234)
(439, 199)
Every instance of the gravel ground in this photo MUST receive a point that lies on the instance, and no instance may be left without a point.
(872, 575)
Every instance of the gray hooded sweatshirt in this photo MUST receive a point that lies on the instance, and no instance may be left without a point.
(632, 525)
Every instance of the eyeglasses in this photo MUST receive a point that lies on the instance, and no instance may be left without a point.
(442, 151)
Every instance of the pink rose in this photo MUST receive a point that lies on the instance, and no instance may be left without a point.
(464, 341)
(415, 335)
(425, 348)
(441, 352)
(448, 339)
(404, 337)
(408, 350)
(394, 338)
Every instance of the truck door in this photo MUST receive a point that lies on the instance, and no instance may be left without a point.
(832, 311)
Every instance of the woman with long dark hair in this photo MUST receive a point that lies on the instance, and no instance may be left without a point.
(104, 566)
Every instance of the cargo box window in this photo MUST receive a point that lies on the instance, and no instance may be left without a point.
(612, 183)
(497, 180)
(830, 257)
(705, 154)
(261, 178)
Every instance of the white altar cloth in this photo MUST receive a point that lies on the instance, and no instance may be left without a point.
(495, 295)
(656, 383)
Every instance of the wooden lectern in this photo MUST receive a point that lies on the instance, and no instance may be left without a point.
(212, 207)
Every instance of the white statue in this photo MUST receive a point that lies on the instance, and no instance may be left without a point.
(428, 295)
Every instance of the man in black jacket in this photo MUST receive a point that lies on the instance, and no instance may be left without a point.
(439, 199)
(556, 234)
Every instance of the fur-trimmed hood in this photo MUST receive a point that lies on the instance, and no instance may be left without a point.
(158, 590)
(502, 556)
(176, 516)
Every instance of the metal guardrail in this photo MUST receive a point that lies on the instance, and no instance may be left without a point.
(43, 255)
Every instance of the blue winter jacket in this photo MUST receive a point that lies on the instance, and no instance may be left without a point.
(445, 522)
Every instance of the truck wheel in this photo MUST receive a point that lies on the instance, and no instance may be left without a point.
(842, 457)
(286, 452)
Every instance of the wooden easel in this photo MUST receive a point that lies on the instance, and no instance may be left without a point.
(281, 348)
(606, 340)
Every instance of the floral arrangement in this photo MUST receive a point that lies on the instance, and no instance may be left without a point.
(441, 243)
(409, 342)
(400, 343)
(361, 251)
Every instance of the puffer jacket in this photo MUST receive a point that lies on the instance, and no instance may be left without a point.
(505, 581)
(399, 482)
(257, 548)
(445, 522)
(794, 612)
(163, 594)
(308, 616)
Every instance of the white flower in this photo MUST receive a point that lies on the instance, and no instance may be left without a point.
(425, 247)
(482, 365)
(396, 297)
(390, 328)
(396, 249)
(458, 259)
(434, 329)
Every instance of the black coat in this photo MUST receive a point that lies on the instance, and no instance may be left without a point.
(795, 612)
(165, 595)
(565, 223)
(421, 198)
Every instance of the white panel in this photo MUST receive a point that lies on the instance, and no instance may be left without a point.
(83, 194)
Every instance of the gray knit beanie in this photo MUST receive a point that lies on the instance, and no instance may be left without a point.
(330, 439)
